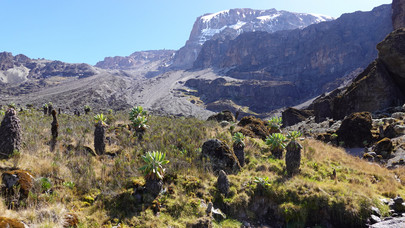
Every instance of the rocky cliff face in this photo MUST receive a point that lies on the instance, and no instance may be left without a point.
(259, 96)
(310, 60)
(398, 13)
(136, 60)
(229, 24)
(380, 86)
(20, 68)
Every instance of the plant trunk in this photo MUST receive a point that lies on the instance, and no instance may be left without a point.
(154, 186)
(239, 151)
(99, 138)
(277, 152)
(293, 158)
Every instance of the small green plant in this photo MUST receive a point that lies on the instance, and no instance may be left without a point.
(45, 184)
(275, 122)
(100, 117)
(87, 109)
(154, 165)
(264, 182)
(69, 184)
(238, 139)
(45, 105)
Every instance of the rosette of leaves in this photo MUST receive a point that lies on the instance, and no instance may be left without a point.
(135, 112)
(276, 142)
(100, 118)
(274, 124)
(153, 169)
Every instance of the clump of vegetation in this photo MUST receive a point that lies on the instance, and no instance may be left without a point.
(275, 124)
(109, 189)
(138, 117)
(276, 142)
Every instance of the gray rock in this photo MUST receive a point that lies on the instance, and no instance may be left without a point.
(375, 211)
(398, 115)
(374, 219)
(223, 183)
(222, 158)
(392, 223)
(399, 129)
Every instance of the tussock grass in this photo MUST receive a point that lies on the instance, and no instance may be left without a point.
(101, 189)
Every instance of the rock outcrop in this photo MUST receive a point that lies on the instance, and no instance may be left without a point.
(223, 116)
(292, 116)
(253, 127)
(222, 158)
(355, 130)
(10, 134)
(381, 85)
(21, 178)
(228, 24)
(398, 13)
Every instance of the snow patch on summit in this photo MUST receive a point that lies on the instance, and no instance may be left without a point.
(266, 18)
(209, 17)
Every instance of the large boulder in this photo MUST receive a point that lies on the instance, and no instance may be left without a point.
(17, 178)
(222, 158)
(384, 147)
(11, 223)
(391, 52)
(223, 116)
(293, 116)
(253, 127)
(355, 130)
(10, 134)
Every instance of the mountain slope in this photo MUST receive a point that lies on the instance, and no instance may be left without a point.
(228, 24)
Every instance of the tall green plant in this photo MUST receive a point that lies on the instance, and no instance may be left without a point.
(100, 118)
(153, 169)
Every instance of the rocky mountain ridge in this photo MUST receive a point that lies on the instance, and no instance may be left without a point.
(136, 60)
(19, 68)
(229, 24)
(321, 54)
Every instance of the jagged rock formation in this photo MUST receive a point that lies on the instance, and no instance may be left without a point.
(398, 13)
(228, 24)
(321, 53)
(380, 86)
(136, 60)
(10, 134)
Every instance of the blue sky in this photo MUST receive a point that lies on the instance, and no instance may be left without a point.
(87, 31)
